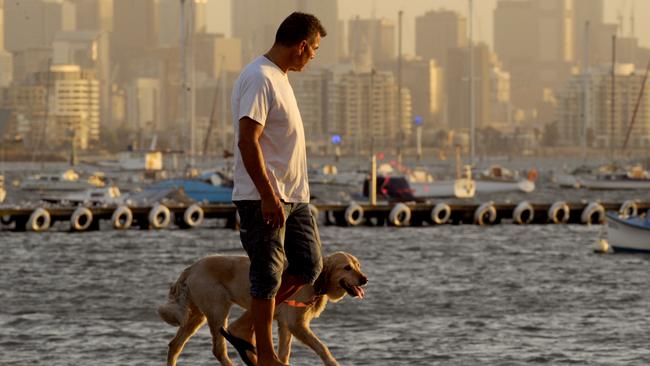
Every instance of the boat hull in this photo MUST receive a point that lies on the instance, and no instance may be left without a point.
(630, 184)
(491, 186)
(459, 188)
(628, 234)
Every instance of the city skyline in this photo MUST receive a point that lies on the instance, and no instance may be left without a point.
(218, 12)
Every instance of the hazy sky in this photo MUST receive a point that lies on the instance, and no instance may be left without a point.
(219, 15)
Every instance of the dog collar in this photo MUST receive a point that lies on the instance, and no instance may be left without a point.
(300, 304)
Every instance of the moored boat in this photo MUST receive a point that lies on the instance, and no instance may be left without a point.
(628, 233)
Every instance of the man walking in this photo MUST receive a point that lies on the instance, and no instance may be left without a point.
(271, 190)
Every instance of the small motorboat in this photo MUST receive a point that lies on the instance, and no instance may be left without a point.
(497, 179)
(211, 187)
(628, 233)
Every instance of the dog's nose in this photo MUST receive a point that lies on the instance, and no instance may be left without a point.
(364, 280)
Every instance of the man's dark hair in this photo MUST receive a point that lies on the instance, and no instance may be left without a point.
(299, 27)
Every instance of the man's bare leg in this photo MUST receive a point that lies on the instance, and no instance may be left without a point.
(262, 310)
(243, 327)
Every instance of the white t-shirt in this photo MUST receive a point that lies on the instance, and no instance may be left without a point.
(263, 94)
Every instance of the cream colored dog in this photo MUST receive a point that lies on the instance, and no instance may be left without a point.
(208, 288)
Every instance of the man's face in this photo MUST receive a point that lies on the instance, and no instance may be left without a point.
(305, 51)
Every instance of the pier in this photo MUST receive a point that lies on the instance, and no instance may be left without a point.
(160, 216)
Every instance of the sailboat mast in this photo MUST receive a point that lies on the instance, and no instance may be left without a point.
(613, 98)
(188, 84)
(472, 115)
(585, 102)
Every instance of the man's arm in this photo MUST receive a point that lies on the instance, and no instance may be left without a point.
(253, 158)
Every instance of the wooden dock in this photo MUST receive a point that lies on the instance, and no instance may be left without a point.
(161, 216)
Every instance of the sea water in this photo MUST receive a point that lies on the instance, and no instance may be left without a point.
(446, 295)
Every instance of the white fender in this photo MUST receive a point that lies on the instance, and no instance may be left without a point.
(485, 214)
(354, 214)
(314, 211)
(441, 214)
(159, 216)
(193, 216)
(524, 213)
(399, 215)
(39, 220)
(594, 208)
(628, 208)
(81, 219)
(122, 218)
(6, 220)
(559, 213)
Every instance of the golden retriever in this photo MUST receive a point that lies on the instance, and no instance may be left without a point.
(208, 288)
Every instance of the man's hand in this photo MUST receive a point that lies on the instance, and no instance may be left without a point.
(273, 211)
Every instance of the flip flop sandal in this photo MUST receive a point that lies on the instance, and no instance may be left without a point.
(241, 345)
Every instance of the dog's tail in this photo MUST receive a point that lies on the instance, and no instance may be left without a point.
(176, 310)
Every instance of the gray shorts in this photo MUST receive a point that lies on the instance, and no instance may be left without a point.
(294, 248)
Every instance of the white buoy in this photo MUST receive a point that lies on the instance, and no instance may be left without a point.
(485, 214)
(628, 208)
(159, 216)
(399, 215)
(559, 213)
(81, 219)
(39, 220)
(122, 218)
(441, 213)
(524, 213)
(193, 216)
(593, 209)
(602, 246)
(354, 214)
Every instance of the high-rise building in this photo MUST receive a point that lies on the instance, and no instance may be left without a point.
(170, 19)
(94, 15)
(373, 39)
(32, 24)
(135, 27)
(56, 107)
(143, 105)
(540, 53)
(6, 60)
(362, 108)
(592, 12)
(424, 80)
(309, 88)
(216, 53)
(598, 129)
(458, 102)
(436, 32)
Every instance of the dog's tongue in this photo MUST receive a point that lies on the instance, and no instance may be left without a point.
(358, 291)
